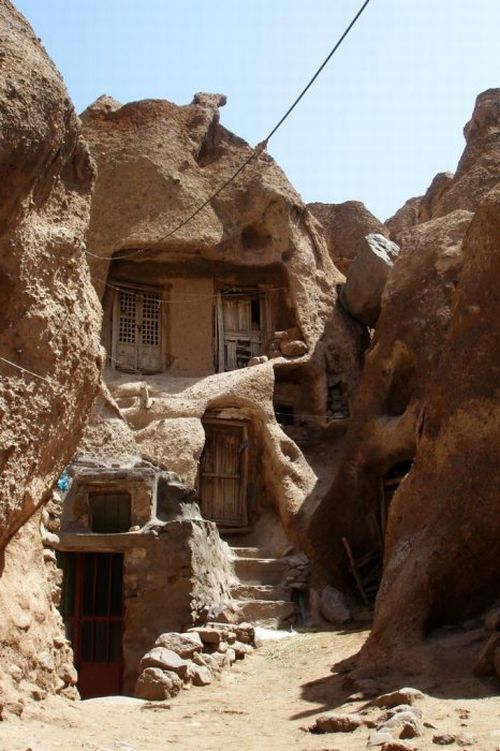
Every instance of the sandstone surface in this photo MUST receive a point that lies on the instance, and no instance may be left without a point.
(476, 174)
(345, 225)
(362, 293)
(51, 358)
(454, 485)
(425, 421)
(157, 163)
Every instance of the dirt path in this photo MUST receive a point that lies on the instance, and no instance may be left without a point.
(259, 704)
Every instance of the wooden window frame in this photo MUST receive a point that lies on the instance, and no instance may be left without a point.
(162, 319)
(245, 293)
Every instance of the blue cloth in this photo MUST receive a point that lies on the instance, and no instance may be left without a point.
(64, 482)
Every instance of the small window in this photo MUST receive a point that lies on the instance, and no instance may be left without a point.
(337, 404)
(137, 330)
(285, 414)
(239, 327)
(109, 512)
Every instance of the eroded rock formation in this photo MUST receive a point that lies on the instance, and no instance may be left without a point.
(345, 226)
(50, 349)
(361, 295)
(443, 537)
(427, 396)
(256, 241)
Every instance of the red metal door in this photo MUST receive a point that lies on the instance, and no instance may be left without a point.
(93, 605)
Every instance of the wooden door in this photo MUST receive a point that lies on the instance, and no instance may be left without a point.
(92, 609)
(240, 327)
(223, 474)
(137, 331)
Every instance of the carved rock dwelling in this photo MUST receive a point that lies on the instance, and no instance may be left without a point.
(197, 436)
(228, 360)
(421, 519)
(48, 344)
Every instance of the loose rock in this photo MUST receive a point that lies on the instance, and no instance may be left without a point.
(366, 278)
(336, 723)
(184, 645)
(165, 659)
(379, 738)
(443, 739)
(402, 696)
(155, 684)
(332, 606)
(201, 676)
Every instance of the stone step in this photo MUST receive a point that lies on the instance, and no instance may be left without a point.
(261, 570)
(259, 592)
(267, 613)
(249, 552)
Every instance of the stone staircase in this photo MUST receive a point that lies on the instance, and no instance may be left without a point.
(262, 594)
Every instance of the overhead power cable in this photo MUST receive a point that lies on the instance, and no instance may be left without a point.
(50, 381)
(119, 287)
(255, 153)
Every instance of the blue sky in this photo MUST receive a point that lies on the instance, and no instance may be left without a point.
(383, 118)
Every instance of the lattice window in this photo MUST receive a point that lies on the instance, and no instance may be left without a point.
(151, 319)
(127, 322)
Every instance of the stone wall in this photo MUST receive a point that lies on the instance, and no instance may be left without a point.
(171, 578)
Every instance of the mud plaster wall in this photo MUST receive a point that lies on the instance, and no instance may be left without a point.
(188, 314)
(190, 327)
(75, 516)
(170, 576)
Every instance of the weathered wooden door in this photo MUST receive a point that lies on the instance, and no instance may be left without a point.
(137, 330)
(240, 329)
(223, 474)
(92, 609)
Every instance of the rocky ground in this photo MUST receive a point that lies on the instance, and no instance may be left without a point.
(268, 701)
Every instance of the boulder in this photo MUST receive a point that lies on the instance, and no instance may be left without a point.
(200, 675)
(184, 645)
(443, 739)
(408, 724)
(155, 684)
(241, 650)
(332, 606)
(336, 723)
(379, 738)
(245, 633)
(407, 696)
(293, 348)
(345, 225)
(165, 659)
(362, 293)
(211, 662)
(209, 635)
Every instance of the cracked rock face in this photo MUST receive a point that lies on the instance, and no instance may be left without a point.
(427, 394)
(346, 225)
(50, 320)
